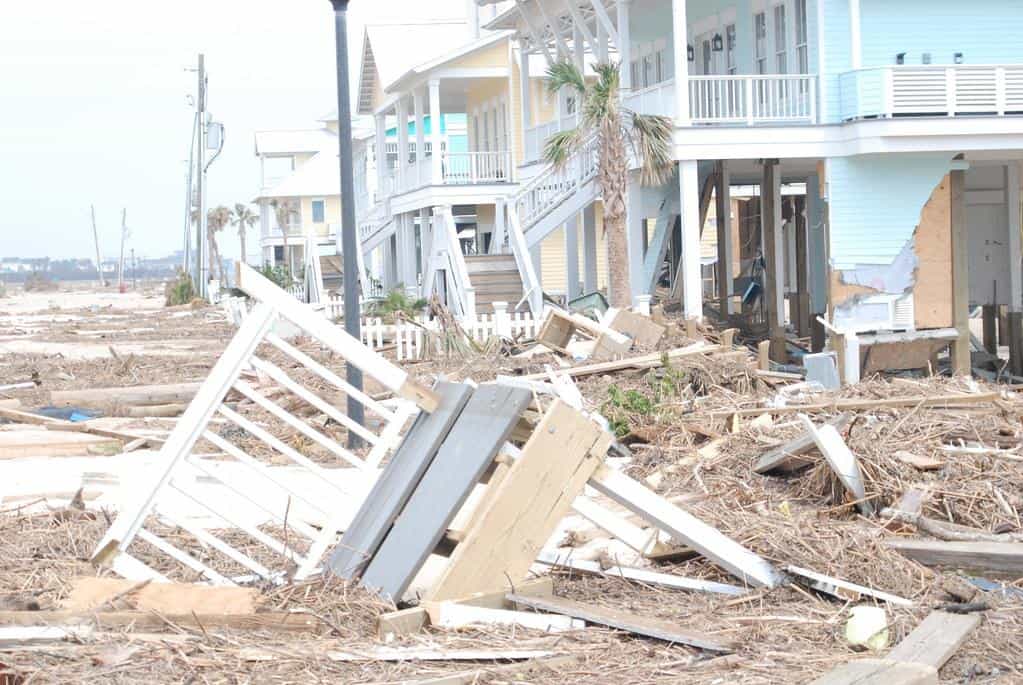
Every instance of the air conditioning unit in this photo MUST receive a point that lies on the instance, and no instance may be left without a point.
(877, 313)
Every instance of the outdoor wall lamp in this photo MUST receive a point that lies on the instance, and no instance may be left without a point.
(717, 43)
(690, 53)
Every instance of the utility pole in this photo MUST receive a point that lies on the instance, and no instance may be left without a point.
(95, 237)
(349, 231)
(201, 275)
(134, 268)
(120, 260)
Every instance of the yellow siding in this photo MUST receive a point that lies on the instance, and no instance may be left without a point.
(481, 92)
(553, 275)
(492, 56)
(331, 213)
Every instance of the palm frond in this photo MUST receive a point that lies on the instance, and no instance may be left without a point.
(650, 136)
(564, 73)
(562, 145)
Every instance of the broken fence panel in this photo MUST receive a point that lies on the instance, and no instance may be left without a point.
(290, 527)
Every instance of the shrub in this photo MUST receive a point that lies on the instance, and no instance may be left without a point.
(396, 303)
(39, 281)
(179, 291)
(279, 274)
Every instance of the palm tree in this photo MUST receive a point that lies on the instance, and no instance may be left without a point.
(243, 218)
(282, 212)
(216, 219)
(617, 130)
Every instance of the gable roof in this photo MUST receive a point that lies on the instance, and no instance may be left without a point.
(288, 142)
(391, 50)
(448, 57)
(320, 176)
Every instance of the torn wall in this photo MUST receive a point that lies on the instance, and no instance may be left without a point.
(891, 252)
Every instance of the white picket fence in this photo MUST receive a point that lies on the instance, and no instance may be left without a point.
(410, 338)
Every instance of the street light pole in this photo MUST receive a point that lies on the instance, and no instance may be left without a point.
(349, 231)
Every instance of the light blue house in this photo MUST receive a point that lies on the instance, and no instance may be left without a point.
(898, 123)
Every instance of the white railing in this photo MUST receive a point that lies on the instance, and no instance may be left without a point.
(548, 189)
(753, 99)
(476, 167)
(656, 99)
(535, 138)
(937, 90)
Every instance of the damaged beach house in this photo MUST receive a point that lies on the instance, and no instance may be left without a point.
(736, 401)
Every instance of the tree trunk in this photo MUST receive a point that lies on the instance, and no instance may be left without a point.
(613, 174)
(211, 256)
(241, 237)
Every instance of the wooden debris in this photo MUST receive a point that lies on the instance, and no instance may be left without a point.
(915, 460)
(402, 622)
(42, 443)
(546, 665)
(641, 575)
(436, 654)
(90, 593)
(145, 620)
(879, 672)
(786, 458)
(458, 615)
(129, 396)
(856, 405)
(645, 332)
(646, 361)
(1002, 558)
(949, 531)
(20, 636)
(841, 588)
(842, 461)
(560, 326)
(613, 618)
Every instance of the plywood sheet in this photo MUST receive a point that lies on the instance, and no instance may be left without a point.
(168, 598)
(932, 244)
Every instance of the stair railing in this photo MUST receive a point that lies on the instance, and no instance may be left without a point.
(555, 184)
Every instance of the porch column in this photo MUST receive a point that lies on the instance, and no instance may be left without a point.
(692, 280)
(601, 42)
(418, 107)
(436, 175)
(590, 248)
(680, 37)
(774, 276)
(624, 47)
(425, 238)
(855, 44)
(572, 257)
(961, 363)
(402, 126)
(723, 198)
(1015, 313)
(526, 93)
(381, 152)
(635, 227)
(816, 238)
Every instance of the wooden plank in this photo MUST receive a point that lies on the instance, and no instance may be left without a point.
(18, 416)
(517, 518)
(640, 575)
(645, 332)
(402, 622)
(392, 490)
(786, 458)
(144, 620)
(879, 672)
(685, 527)
(546, 666)
(623, 620)
(646, 361)
(92, 593)
(842, 461)
(497, 599)
(457, 615)
(475, 439)
(936, 639)
(19, 636)
(376, 653)
(843, 589)
(135, 395)
(851, 405)
(1003, 558)
(42, 443)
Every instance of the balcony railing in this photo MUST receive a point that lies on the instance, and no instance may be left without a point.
(457, 168)
(934, 90)
(753, 99)
(536, 137)
(656, 99)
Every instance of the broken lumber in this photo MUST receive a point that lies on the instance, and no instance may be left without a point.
(785, 458)
(644, 331)
(1003, 558)
(402, 622)
(476, 676)
(622, 620)
(560, 326)
(19, 636)
(90, 593)
(435, 654)
(855, 405)
(842, 589)
(879, 672)
(841, 460)
(145, 620)
(457, 615)
(42, 443)
(646, 361)
(136, 395)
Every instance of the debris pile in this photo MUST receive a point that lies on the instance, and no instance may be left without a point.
(628, 499)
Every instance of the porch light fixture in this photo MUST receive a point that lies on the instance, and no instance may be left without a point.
(717, 43)
(957, 58)
(690, 53)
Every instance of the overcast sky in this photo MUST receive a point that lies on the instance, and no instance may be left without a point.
(93, 108)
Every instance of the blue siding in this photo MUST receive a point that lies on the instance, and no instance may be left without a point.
(835, 44)
(985, 31)
(875, 203)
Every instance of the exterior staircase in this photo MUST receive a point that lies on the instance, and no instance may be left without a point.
(495, 278)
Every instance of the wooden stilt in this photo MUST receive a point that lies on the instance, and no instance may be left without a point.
(989, 312)
(770, 217)
(960, 275)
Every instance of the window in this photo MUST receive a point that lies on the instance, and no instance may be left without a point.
(708, 64)
(634, 74)
(649, 73)
(318, 211)
(760, 41)
(730, 49)
(780, 60)
(802, 59)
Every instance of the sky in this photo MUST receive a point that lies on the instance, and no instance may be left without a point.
(94, 108)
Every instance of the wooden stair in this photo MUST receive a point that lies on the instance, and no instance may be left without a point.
(495, 278)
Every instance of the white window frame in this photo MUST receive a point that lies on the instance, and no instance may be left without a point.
(731, 39)
(800, 26)
(780, 34)
(760, 34)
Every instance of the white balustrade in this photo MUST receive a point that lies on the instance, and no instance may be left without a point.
(547, 189)
(656, 99)
(476, 167)
(931, 89)
(536, 137)
(753, 99)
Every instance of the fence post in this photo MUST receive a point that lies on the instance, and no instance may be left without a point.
(642, 305)
(502, 324)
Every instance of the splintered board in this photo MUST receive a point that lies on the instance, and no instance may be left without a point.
(396, 484)
(484, 425)
(521, 514)
(33, 442)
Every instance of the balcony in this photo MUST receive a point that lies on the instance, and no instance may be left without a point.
(536, 137)
(931, 90)
(746, 100)
(457, 168)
